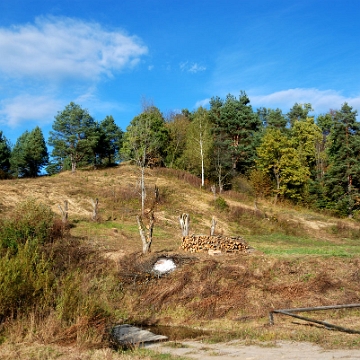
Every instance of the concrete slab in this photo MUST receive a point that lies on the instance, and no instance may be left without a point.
(128, 335)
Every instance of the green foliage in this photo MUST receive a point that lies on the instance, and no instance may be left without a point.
(30, 222)
(272, 118)
(278, 158)
(178, 126)
(74, 136)
(25, 280)
(342, 179)
(305, 134)
(221, 204)
(109, 141)
(146, 138)
(196, 155)
(234, 126)
(241, 184)
(299, 112)
(260, 182)
(5, 153)
(29, 154)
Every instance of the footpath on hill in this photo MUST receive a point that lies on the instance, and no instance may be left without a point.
(237, 350)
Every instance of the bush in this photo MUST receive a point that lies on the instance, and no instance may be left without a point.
(241, 184)
(25, 280)
(29, 221)
(221, 204)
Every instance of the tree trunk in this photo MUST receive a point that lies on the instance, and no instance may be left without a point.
(143, 191)
(157, 195)
(142, 182)
(146, 232)
(202, 156)
(277, 178)
(73, 164)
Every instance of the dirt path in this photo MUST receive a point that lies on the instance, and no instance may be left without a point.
(237, 350)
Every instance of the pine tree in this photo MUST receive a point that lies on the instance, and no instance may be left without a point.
(74, 136)
(36, 152)
(29, 154)
(342, 179)
(18, 156)
(235, 127)
(5, 154)
(272, 118)
(110, 137)
(299, 112)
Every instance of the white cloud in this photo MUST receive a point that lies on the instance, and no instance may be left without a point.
(28, 108)
(57, 48)
(55, 60)
(203, 103)
(191, 67)
(321, 100)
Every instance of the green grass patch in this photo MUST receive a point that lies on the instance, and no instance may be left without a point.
(280, 244)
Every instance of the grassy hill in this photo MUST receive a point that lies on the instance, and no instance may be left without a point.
(96, 275)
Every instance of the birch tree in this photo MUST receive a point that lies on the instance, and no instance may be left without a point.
(198, 144)
(145, 142)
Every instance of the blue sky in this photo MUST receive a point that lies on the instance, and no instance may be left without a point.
(108, 55)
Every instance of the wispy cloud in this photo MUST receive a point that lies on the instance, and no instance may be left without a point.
(321, 100)
(191, 67)
(55, 48)
(203, 103)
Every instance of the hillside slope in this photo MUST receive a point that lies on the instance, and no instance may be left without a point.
(302, 258)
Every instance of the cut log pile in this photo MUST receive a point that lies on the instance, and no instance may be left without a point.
(208, 243)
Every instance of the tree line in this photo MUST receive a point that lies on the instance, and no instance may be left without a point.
(293, 156)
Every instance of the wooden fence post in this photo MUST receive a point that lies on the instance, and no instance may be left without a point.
(184, 223)
(64, 212)
(95, 205)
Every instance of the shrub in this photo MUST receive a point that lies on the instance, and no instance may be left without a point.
(25, 280)
(29, 221)
(241, 184)
(221, 204)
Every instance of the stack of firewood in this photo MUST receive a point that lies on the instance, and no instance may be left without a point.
(219, 243)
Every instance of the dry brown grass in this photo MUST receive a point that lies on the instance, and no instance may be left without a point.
(38, 351)
(235, 286)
